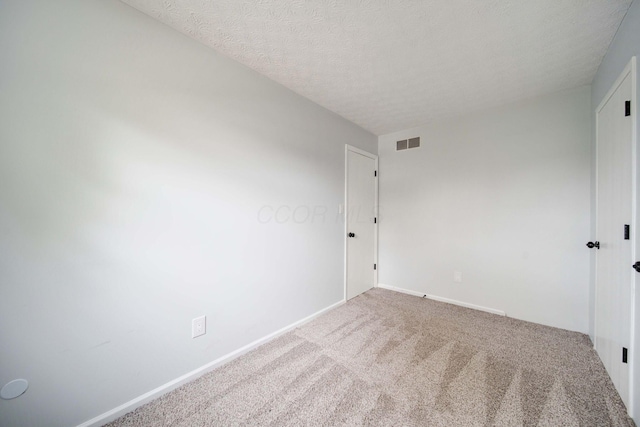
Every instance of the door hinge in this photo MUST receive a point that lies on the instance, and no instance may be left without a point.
(627, 108)
(375, 220)
(375, 266)
(626, 232)
(375, 173)
(624, 354)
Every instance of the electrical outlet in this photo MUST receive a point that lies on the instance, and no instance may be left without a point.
(457, 276)
(198, 326)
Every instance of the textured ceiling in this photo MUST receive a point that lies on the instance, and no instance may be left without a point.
(391, 65)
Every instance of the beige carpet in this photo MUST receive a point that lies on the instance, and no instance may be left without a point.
(390, 359)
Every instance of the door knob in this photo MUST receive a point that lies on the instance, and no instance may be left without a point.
(591, 245)
(352, 235)
(636, 266)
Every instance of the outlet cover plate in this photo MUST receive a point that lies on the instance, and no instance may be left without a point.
(457, 276)
(198, 326)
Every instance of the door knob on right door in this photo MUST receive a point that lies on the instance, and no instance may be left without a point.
(591, 245)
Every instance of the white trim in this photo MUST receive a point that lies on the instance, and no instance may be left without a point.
(634, 201)
(360, 151)
(595, 219)
(346, 216)
(375, 227)
(171, 385)
(627, 70)
(357, 150)
(442, 299)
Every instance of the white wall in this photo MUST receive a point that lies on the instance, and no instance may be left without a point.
(134, 163)
(625, 44)
(501, 196)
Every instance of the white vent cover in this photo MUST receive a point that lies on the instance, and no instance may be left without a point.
(406, 144)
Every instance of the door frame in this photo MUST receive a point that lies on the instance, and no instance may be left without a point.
(630, 69)
(350, 148)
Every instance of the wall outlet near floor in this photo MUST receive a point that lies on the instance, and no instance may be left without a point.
(457, 276)
(198, 326)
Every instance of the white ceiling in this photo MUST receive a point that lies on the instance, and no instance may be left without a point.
(391, 65)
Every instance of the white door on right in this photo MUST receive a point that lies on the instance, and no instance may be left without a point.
(614, 216)
(361, 222)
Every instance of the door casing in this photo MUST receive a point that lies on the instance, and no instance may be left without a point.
(629, 71)
(353, 149)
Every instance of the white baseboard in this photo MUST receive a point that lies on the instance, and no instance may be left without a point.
(442, 299)
(171, 385)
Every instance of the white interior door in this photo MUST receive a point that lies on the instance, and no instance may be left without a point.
(360, 221)
(615, 209)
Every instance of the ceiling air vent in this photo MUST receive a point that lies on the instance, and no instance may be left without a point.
(408, 143)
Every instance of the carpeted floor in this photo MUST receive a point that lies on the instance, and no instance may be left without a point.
(390, 359)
